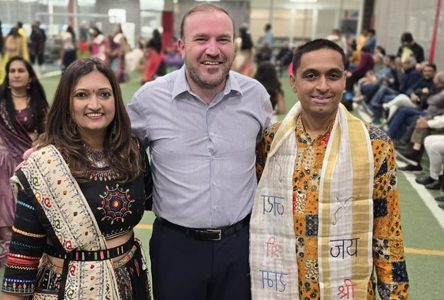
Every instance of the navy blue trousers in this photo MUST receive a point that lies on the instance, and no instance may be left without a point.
(402, 119)
(185, 268)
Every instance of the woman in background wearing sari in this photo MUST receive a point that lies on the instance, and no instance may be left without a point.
(23, 108)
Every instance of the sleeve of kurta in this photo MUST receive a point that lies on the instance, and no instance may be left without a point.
(26, 248)
(263, 148)
(388, 244)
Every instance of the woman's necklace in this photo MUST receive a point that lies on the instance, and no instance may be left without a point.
(97, 157)
(21, 105)
(18, 95)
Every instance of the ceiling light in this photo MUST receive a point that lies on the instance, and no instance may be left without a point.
(304, 1)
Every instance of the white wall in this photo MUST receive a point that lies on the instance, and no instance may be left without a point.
(394, 17)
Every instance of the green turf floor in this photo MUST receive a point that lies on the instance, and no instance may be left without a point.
(423, 233)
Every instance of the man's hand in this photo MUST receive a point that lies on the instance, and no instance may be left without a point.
(414, 98)
(422, 123)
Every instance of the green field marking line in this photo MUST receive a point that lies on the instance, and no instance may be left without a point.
(424, 251)
(145, 226)
(427, 198)
(49, 74)
(359, 110)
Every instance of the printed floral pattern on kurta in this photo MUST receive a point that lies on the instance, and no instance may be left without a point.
(388, 247)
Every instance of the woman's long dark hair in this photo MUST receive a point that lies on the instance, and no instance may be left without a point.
(247, 42)
(38, 103)
(120, 147)
(267, 75)
(156, 41)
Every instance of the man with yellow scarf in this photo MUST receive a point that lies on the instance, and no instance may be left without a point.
(326, 217)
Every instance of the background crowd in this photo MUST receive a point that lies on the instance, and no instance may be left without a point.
(402, 92)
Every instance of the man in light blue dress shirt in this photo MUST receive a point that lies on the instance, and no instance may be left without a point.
(201, 124)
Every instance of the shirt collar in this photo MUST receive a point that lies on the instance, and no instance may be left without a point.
(181, 85)
(305, 138)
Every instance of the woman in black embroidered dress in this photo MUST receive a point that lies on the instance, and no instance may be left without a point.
(88, 134)
(23, 108)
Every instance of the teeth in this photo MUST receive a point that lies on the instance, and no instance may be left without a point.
(94, 115)
(211, 62)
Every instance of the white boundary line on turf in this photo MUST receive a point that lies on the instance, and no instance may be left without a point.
(362, 114)
(51, 74)
(427, 198)
(423, 193)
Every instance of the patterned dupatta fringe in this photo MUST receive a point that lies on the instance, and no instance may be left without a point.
(345, 214)
(74, 224)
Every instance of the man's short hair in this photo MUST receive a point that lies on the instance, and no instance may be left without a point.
(316, 45)
(433, 66)
(381, 49)
(204, 7)
(406, 37)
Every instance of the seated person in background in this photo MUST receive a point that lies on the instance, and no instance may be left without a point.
(367, 63)
(385, 94)
(434, 146)
(79, 197)
(373, 80)
(418, 97)
(423, 127)
(405, 116)
(378, 57)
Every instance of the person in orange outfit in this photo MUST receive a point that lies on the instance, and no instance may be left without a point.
(154, 64)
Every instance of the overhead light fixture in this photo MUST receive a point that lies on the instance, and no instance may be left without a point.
(304, 1)
(207, 0)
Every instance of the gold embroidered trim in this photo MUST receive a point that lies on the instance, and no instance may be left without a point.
(35, 235)
(21, 267)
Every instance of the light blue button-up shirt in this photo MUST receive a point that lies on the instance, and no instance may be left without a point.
(203, 155)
